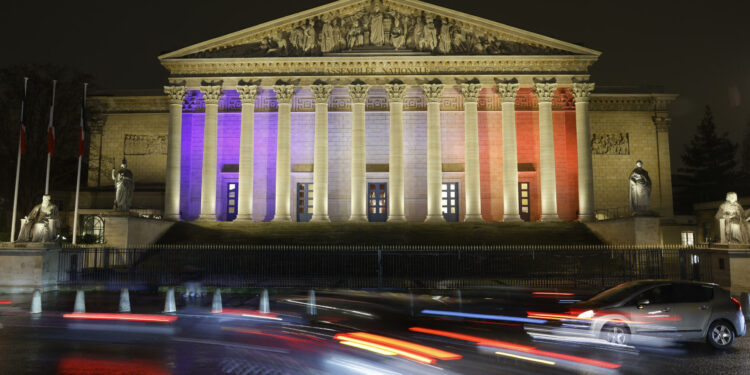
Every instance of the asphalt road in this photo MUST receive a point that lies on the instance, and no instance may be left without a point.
(289, 340)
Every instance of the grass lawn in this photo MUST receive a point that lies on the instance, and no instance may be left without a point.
(563, 233)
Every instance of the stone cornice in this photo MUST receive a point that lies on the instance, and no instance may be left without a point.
(131, 104)
(392, 66)
(631, 102)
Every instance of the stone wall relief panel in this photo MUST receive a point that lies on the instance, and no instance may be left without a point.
(610, 144)
(145, 144)
(377, 25)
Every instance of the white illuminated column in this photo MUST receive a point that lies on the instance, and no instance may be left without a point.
(434, 93)
(245, 182)
(396, 92)
(582, 92)
(321, 92)
(508, 91)
(211, 95)
(284, 94)
(358, 93)
(470, 92)
(545, 92)
(174, 147)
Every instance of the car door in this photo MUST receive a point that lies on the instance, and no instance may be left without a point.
(651, 312)
(691, 308)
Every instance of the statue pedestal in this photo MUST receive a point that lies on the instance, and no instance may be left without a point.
(636, 230)
(123, 229)
(28, 266)
(729, 266)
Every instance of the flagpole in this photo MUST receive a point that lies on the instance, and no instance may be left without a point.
(18, 168)
(78, 178)
(50, 137)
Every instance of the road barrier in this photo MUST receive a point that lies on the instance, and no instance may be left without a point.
(594, 267)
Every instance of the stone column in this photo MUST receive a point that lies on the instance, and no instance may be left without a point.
(508, 91)
(284, 95)
(434, 93)
(211, 95)
(247, 122)
(358, 92)
(582, 92)
(662, 121)
(470, 93)
(174, 147)
(322, 93)
(396, 91)
(545, 91)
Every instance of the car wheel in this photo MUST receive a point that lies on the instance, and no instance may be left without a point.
(616, 334)
(720, 335)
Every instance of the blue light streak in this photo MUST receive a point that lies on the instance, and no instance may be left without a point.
(485, 316)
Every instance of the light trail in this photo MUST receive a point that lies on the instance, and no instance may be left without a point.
(123, 317)
(458, 314)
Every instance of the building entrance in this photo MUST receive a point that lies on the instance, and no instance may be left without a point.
(377, 202)
(524, 198)
(231, 201)
(450, 201)
(304, 201)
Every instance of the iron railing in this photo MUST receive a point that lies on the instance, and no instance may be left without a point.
(591, 267)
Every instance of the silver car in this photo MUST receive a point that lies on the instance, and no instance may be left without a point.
(657, 309)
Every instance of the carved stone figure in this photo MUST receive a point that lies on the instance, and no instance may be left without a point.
(327, 39)
(297, 38)
(446, 41)
(377, 31)
(42, 223)
(309, 37)
(640, 190)
(354, 37)
(398, 38)
(338, 35)
(124, 187)
(430, 39)
(733, 221)
(417, 36)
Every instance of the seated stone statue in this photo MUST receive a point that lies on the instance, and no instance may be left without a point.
(733, 221)
(42, 223)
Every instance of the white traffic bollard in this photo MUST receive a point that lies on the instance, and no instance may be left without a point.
(264, 305)
(216, 306)
(124, 300)
(36, 302)
(169, 304)
(80, 304)
(312, 309)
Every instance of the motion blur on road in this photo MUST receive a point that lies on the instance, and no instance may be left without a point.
(476, 331)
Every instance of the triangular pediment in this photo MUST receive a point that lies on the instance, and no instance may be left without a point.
(378, 27)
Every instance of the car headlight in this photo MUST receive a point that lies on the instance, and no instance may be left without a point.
(588, 314)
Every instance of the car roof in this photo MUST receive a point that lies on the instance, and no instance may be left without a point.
(667, 281)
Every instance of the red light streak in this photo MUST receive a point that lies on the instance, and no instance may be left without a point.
(6, 302)
(70, 366)
(510, 346)
(123, 317)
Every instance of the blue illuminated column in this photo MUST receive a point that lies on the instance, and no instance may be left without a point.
(245, 182)
(211, 95)
(172, 193)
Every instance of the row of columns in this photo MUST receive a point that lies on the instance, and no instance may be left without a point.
(358, 90)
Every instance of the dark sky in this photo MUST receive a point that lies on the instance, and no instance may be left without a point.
(698, 49)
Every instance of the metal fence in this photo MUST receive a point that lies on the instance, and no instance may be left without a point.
(592, 267)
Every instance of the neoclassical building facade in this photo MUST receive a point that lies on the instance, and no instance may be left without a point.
(384, 110)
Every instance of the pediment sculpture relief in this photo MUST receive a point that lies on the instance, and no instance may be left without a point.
(378, 28)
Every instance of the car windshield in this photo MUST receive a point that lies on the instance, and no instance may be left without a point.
(617, 294)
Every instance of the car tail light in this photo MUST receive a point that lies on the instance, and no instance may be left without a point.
(737, 302)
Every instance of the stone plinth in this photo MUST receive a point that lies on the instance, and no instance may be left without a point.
(28, 266)
(636, 230)
(730, 267)
(121, 229)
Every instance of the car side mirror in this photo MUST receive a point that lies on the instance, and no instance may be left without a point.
(643, 302)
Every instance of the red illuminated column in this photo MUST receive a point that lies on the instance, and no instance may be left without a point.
(508, 91)
(211, 95)
(434, 93)
(358, 92)
(582, 92)
(321, 92)
(470, 92)
(545, 91)
(172, 193)
(245, 182)
(396, 91)
(284, 95)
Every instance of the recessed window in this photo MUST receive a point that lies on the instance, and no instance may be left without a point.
(688, 238)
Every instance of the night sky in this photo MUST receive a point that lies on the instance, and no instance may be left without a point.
(697, 49)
